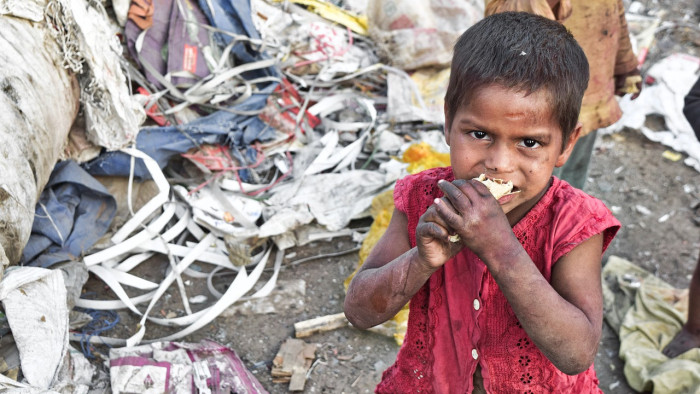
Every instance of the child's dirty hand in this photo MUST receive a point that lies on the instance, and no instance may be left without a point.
(432, 239)
(469, 209)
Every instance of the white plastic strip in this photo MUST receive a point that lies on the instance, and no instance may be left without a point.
(133, 261)
(126, 246)
(113, 284)
(189, 259)
(108, 305)
(130, 280)
(270, 285)
(182, 251)
(234, 186)
(241, 285)
(151, 206)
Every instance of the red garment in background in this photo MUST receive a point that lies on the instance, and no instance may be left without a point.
(460, 318)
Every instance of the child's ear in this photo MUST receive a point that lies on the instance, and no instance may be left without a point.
(566, 152)
(447, 125)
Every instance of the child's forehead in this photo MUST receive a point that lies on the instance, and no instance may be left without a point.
(538, 106)
(542, 96)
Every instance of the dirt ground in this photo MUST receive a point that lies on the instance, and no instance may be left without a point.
(628, 173)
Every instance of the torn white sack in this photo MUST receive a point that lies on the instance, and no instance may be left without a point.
(417, 34)
(34, 300)
(38, 104)
(674, 76)
(32, 10)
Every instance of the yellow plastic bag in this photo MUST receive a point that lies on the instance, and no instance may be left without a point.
(333, 13)
(420, 157)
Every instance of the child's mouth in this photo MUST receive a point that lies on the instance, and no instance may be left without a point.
(508, 197)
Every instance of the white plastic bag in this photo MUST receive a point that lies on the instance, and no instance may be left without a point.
(414, 34)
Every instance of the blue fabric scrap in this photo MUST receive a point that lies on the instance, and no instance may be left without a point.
(80, 210)
(234, 16)
(162, 143)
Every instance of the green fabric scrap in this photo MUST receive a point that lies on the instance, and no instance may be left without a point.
(647, 313)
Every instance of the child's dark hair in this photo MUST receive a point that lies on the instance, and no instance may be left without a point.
(520, 51)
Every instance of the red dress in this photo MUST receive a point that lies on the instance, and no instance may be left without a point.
(460, 318)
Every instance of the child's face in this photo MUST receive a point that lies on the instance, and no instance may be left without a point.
(504, 134)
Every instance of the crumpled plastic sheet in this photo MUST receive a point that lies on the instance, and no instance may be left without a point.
(179, 367)
(163, 143)
(73, 212)
(331, 199)
(403, 106)
(674, 75)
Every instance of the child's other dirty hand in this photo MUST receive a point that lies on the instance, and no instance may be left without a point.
(474, 215)
(629, 83)
(432, 239)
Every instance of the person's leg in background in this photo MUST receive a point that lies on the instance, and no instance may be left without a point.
(689, 336)
(575, 170)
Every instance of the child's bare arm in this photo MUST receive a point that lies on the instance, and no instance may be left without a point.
(564, 318)
(393, 271)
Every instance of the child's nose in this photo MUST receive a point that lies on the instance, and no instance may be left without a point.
(499, 159)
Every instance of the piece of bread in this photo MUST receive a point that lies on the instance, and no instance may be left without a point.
(497, 187)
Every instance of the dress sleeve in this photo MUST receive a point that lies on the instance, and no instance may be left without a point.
(590, 217)
(625, 60)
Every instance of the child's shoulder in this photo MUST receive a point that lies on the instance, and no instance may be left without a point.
(578, 216)
(430, 175)
(415, 192)
(564, 197)
(422, 185)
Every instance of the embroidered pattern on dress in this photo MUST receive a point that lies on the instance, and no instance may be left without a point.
(413, 371)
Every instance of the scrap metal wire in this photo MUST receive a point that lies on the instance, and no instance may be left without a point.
(101, 322)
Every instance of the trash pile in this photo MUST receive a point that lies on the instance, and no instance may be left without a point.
(212, 135)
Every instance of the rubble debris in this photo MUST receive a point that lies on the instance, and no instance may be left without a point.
(291, 363)
(319, 324)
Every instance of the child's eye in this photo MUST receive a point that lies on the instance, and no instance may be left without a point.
(479, 135)
(530, 143)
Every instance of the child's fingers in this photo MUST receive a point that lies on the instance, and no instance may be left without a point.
(459, 200)
(477, 187)
(428, 230)
(447, 214)
(433, 223)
